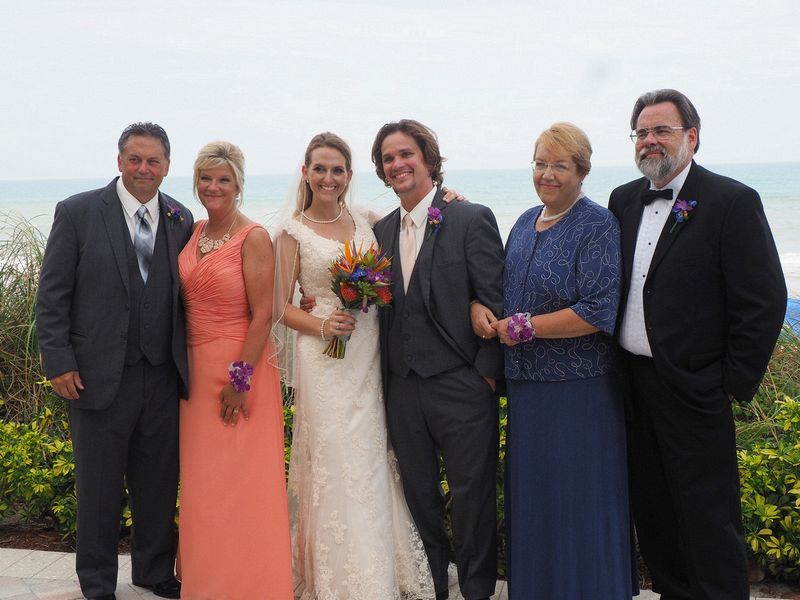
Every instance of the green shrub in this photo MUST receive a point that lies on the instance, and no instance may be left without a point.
(771, 494)
(37, 471)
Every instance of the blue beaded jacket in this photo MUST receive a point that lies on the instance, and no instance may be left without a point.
(573, 264)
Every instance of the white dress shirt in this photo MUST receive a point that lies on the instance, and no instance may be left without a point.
(130, 205)
(419, 214)
(633, 333)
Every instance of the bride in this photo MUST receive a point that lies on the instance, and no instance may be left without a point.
(353, 536)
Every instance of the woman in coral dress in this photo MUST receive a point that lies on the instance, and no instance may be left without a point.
(234, 525)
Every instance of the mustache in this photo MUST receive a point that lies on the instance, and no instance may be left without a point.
(651, 148)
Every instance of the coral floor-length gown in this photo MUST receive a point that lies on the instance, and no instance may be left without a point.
(234, 523)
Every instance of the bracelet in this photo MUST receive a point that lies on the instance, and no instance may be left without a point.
(239, 373)
(520, 328)
(322, 329)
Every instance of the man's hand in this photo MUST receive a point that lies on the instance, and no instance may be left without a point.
(483, 320)
(67, 385)
(492, 383)
(307, 303)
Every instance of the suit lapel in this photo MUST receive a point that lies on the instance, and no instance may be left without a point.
(172, 247)
(390, 239)
(110, 210)
(631, 219)
(424, 263)
(671, 230)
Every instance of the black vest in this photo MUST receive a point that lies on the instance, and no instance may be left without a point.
(414, 342)
(150, 321)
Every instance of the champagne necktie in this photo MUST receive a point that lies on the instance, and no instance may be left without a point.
(408, 248)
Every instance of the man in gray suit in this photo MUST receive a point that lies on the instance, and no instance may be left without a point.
(439, 377)
(111, 332)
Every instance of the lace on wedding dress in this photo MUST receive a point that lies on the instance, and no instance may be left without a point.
(353, 536)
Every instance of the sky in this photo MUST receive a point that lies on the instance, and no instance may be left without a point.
(487, 77)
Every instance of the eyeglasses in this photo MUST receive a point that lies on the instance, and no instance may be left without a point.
(539, 166)
(660, 132)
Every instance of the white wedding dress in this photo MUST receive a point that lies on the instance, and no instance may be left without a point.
(353, 536)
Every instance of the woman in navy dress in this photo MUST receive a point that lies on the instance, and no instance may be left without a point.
(566, 497)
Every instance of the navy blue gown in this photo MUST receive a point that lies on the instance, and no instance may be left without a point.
(567, 515)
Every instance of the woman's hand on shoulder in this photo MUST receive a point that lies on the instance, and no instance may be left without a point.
(450, 195)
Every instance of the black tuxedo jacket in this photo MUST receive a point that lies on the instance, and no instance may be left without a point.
(715, 296)
(83, 303)
(459, 263)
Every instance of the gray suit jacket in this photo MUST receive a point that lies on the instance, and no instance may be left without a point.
(83, 303)
(459, 263)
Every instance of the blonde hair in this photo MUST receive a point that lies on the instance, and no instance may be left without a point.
(568, 139)
(219, 154)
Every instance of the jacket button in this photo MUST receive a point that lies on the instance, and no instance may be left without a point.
(409, 358)
(406, 336)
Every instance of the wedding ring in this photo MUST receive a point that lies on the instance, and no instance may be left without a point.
(235, 411)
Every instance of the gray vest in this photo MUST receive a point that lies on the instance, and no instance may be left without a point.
(414, 342)
(150, 321)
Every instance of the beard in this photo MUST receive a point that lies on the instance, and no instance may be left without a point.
(663, 167)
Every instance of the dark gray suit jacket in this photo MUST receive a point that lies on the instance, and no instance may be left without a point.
(83, 303)
(459, 263)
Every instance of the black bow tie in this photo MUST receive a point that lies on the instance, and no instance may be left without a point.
(649, 195)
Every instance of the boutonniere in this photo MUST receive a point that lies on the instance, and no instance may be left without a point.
(682, 210)
(435, 218)
(174, 214)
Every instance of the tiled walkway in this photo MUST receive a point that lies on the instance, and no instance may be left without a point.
(37, 575)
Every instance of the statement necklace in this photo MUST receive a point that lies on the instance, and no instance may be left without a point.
(547, 219)
(206, 244)
(336, 218)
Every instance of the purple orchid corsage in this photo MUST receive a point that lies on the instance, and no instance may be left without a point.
(239, 374)
(682, 210)
(435, 218)
(174, 214)
(520, 328)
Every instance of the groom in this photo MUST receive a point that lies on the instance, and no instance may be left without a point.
(439, 378)
(111, 332)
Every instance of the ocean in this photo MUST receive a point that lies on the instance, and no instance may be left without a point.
(507, 192)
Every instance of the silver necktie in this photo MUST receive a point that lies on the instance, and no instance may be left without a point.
(143, 242)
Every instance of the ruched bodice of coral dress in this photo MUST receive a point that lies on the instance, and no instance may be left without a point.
(354, 538)
(234, 524)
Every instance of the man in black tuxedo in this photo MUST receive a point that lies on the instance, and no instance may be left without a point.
(439, 377)
(703, 306)
(111, 332)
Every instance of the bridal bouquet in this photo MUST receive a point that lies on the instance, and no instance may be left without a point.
(360, 279)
